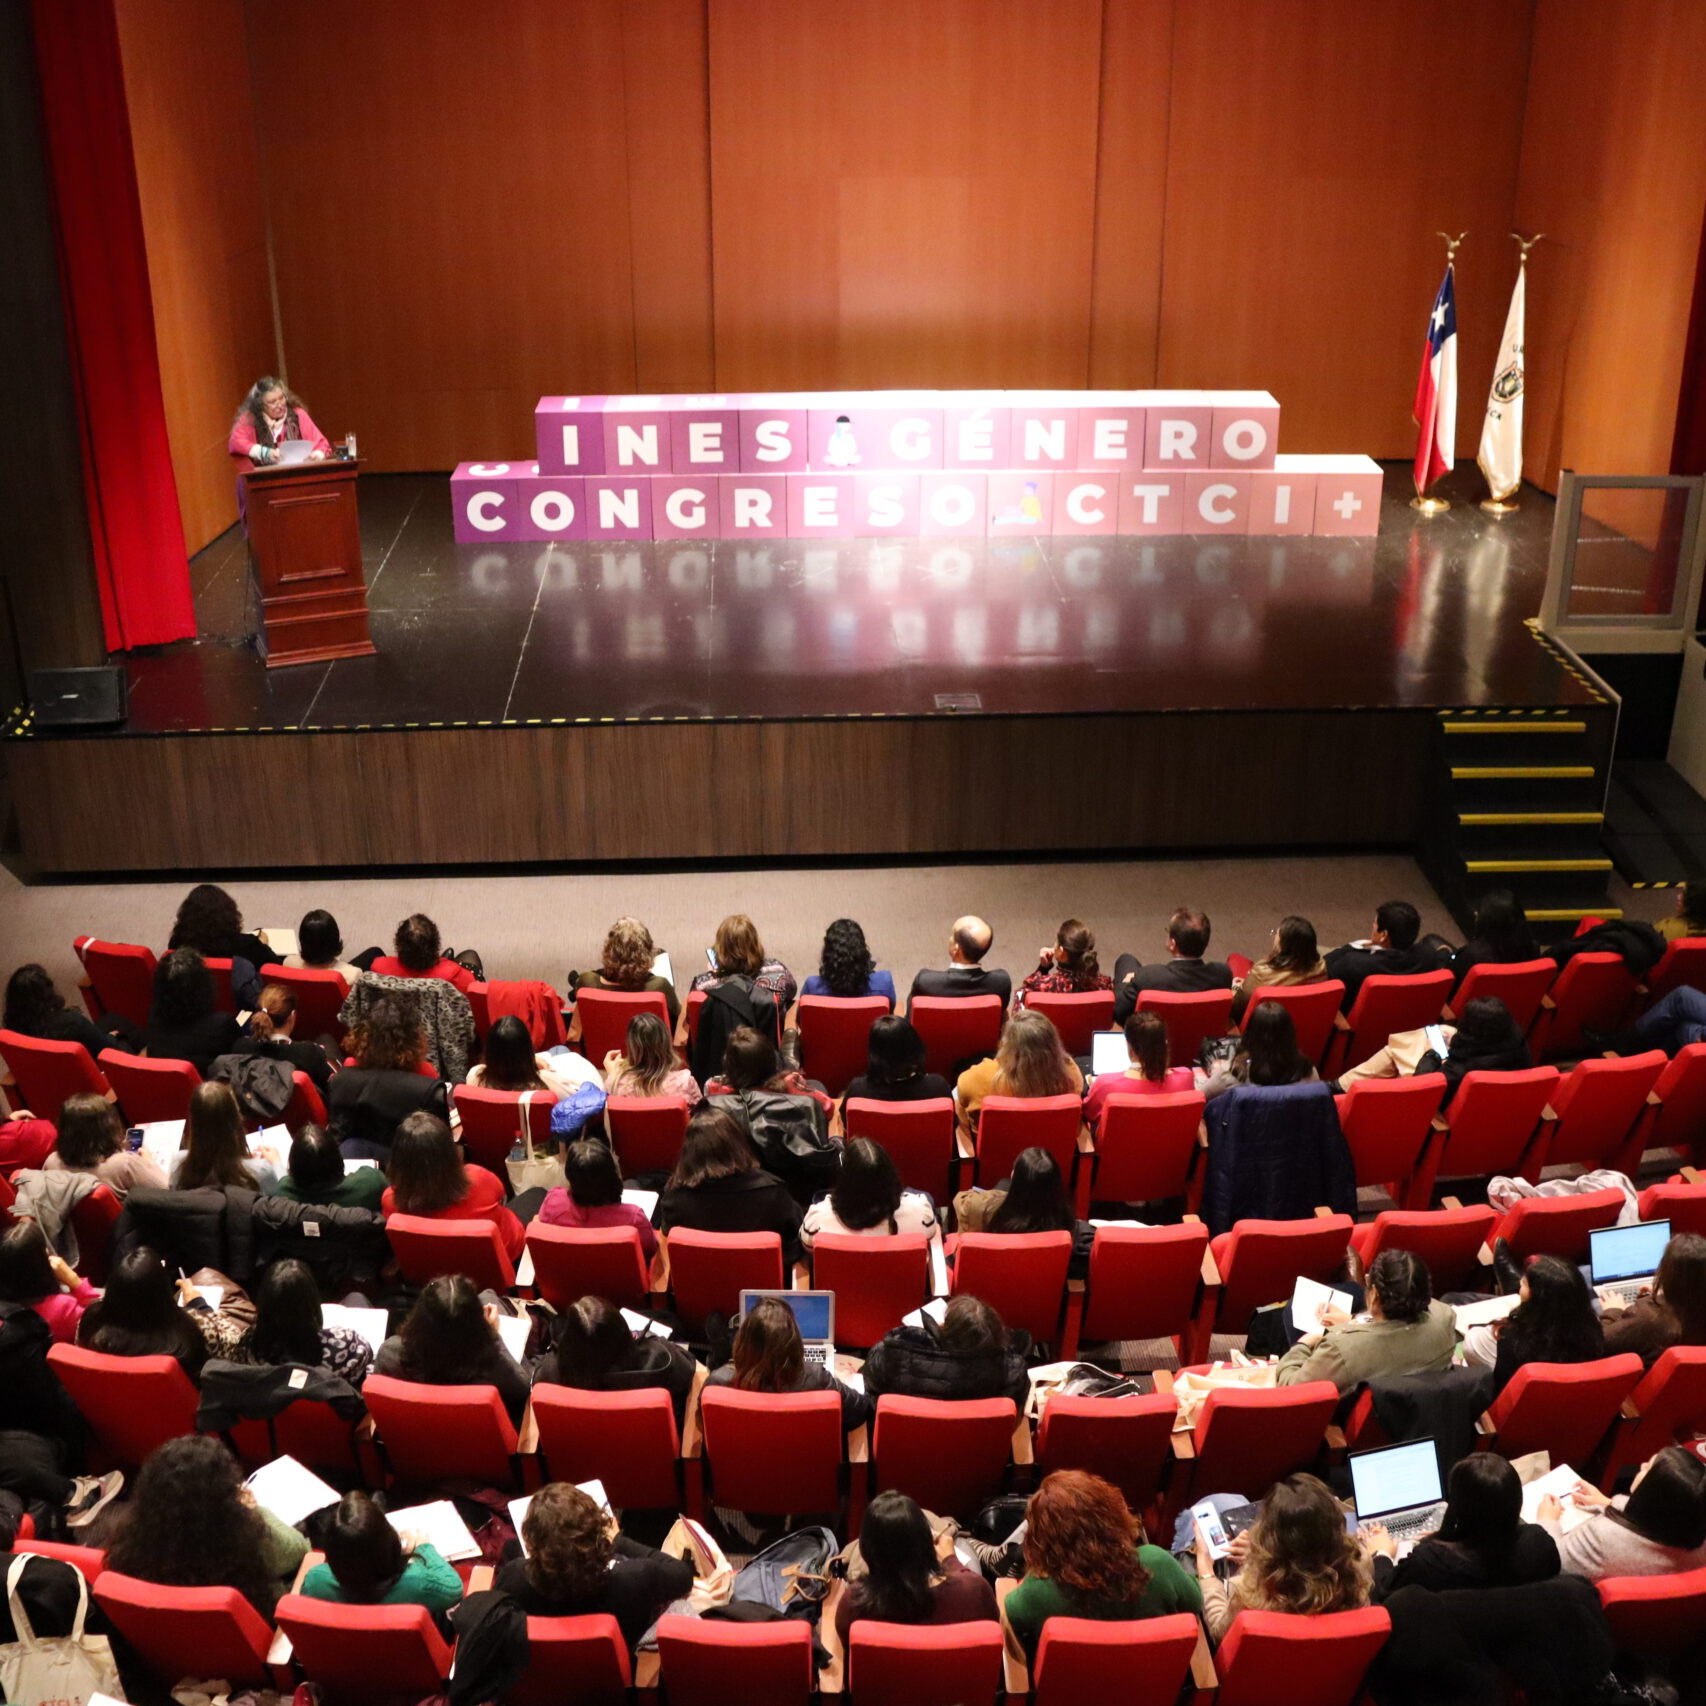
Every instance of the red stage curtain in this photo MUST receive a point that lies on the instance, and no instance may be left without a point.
(140, 560)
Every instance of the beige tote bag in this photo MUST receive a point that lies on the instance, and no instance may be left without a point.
(59, 1670)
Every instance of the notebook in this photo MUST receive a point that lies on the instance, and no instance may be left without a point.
(439, 1526)
(815, 1313)
(1308, 1298)
(1561, 1484)
(1399, 1485)
(289, 1490)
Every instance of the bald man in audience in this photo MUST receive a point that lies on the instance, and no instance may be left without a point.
(965, 972)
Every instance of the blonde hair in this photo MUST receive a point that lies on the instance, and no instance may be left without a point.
(1301, 1559)
(737, 946)
(1031, 1059)
(628, 954)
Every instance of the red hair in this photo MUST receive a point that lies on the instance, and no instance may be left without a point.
(1080, 1534)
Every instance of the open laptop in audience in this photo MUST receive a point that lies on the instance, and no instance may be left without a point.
(1623, 1259)
(814, 1311)
(1399, 1485)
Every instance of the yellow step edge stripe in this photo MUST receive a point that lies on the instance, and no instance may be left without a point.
(1530, 817)
(1520, 772)
(1555, 915)
(1514, 728)
(1537, 864)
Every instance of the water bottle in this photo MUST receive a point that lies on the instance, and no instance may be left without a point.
(349, 445)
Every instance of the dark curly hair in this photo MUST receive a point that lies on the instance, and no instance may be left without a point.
(388, 1038)
(207, 921)
(846, 964)
(1080, 1535)
(31, 1000)
(183, 988)
(187, 1526)
(568, 1544)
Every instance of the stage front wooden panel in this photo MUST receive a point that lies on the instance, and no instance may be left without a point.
(848, 788)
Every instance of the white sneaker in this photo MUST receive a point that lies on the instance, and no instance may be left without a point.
(90, 1495)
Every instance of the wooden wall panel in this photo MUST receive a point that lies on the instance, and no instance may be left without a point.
(903, 194)
(1314, 150)
(186, 70)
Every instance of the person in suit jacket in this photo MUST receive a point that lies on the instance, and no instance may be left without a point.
(1185, 973)
(1392, 950)
(965, 972)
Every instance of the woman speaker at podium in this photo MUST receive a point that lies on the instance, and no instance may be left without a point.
(270, 417)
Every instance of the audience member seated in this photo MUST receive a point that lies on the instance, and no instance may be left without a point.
(629, 955)
(1033, 1198)
(512, 1064)
(1086, 1556)
(784, 1114)
(1293, 957)
(272, 1033)
(1671, 1023)
(965, 973)
(1499, 936)
(744, 989)
(591, 1195)
(91, 1140)
(141, 1314)
(845, 966)
(770, 1356)
(1296, 1558)
(575, 1564)
(427, 1177)
(384, 1083)
(185, 1022)
(1555, 1322)
(1030, 1061)
(1689, 919)
(739, 953)
(1070, 967)
(1149, 1074)
(1184, 972)
(718, 1186)
(1655, 1529)
(191, 1523)
(894, 1068)
(648, 1065)
(1405, 1330)
(417, 951)
(1485, 1039)
(1267, 1055)
(450, 1338)
(1673, 1312)
(320, 947)
(368, 1562)
(289, 1327)
(867, 1199)
(216, 1154)
(595, 1350)
(906, 1580)
(1482, 1540)
(1391, 950)
(33, 1277)
(318, 1174)
(209, 921)
(972, 1354)
(34, 1008)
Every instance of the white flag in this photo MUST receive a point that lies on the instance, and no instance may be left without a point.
(1500, 454)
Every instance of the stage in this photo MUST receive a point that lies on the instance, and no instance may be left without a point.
(891, 698)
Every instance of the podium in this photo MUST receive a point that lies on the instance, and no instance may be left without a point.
(305, 554)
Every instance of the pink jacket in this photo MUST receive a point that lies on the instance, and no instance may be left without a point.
(242, 439)
(64, 1310)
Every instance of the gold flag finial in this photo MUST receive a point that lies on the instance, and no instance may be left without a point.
(1451, 244)
(1526, 243)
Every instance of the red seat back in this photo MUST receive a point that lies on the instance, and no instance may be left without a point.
(361, 1653)
(876, 1281)
(1385, 1004)
(425, 1248)
(1600, 1106)
(646, 1132)
(1146, 1145)
(627, 1440)
(47, 1073)
(583, 1659)
(1312, 1006)
(314, 1433)
(305, 1106)
(320, 996)
(149, 1090)
(1659, 1617)
(907, 1664)
(572, 1262)
(1492, 1121)
(1272, 1658)
(709, 1270)
(1593, 991)
(178, 1632)
(1143, 1281)
(1447, 1240)
(491, 1122)
(1006, 1125)
(92, 1221)
(430, 1433)
(1558, 1226)
(1021, 1276)
(479, 1009)
(1563, 1408)
(121, 974)
(955, 1028)
(1680, 1122)
(220, 971)
(950, 1455)
(1520, 985)
(133, 1405)
(1252, 1438)
(89, 1561)
(1127, 1441)
(1671, 1402)
(1683, 962)
(1077, 1017)
(1387, 1122)
(1080, 1659)
(835, 1036)
(1189, 1019)
(1260, 1260)
(606, 1014)
(918, 1136)
(1682, 1204)
(773, 1452)
(736, 1664)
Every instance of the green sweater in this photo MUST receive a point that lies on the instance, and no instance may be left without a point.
(1038, 1598)
(361, 1188)
(426, 1580)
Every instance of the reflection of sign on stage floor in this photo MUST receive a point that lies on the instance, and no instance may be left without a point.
(912, 464)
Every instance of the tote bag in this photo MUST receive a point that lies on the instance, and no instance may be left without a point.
(535, 1167)
(61, 1670)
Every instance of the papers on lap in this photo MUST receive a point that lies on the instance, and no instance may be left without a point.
(1309, 1298)
(645, 1201)
(513, 1330)
(935, 1309)
(638, 1323)
(369, 1323)
(290, 1491)
(518, 1508)
(1561, 1483)
(438, 1526)
(1485, 1311)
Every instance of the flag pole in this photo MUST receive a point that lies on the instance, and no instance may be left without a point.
(1422, 502)
(1508, 385)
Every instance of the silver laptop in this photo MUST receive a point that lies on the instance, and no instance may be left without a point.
(815, 1313)
(1623, 1259)
(1108, 1053)
(1399, 1485)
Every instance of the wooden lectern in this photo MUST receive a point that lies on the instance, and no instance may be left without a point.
(305, 550)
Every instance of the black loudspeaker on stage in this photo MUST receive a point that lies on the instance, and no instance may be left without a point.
(78, 698)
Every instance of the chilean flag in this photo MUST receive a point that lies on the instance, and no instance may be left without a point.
(1435, 408)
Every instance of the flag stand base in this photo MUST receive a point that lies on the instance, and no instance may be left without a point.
(1431, 506)
(1500, 506)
